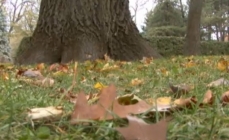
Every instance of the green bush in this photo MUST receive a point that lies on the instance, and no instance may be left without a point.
(171, 46)
(165, 31)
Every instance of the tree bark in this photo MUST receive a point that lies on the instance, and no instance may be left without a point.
(192, 44)
(82, 30)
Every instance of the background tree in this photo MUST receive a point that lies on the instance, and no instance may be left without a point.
(167, 19)
(215, 19)
(5, 50)
(85, 30)
(192, 43)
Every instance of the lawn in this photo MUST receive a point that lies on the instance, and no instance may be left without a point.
(17, 97)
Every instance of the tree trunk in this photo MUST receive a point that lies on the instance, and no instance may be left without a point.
(182, 10)
(192, 44)
(85, 30)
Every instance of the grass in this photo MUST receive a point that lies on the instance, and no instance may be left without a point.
(210, 123)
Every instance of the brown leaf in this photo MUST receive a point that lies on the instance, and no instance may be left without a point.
(208, 97)
(139, 130)
(181, 89)
(107, 106)
(219, 82)
(59, 67)
(30, 74)
(185, 102)
(40, 66)
(225, 98)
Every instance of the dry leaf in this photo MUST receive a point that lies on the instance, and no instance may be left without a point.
(107, 67)
(136, 82)
(40, 66)
(50, 112)
(208, 98)
(30, 74)
(181, 89)
(185, 102)
(59, 67)
(222, 64)
(46, 82)
(139, 130)
(4, 76)
(225, 98)
(219, 82)
(99, 86)
(146, 60)
(105, 109)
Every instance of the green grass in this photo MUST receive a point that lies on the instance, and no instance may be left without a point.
(210, 123)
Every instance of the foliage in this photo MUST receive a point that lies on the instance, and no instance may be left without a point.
(23, 16)
(164, 20)
(215, 18)
(165, 31)
(170, 46)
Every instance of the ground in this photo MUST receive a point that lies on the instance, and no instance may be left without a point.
(197, 123)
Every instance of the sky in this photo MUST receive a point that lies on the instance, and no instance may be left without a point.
(143, 7)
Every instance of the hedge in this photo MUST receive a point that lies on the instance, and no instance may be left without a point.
(171, 46)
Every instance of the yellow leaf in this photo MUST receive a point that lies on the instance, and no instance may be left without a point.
(136, 82)
(164, 71)
(99, 86)
(164, 101)
(190, 64)
(222, 64)
(107, 67)
(5, 76)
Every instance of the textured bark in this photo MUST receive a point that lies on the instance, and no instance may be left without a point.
(192, 44)
(85, 30)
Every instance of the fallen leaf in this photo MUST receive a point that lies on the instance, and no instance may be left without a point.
(208, 97)
(106, 108)
(219, 82)
(99, 86)
(146, 60)
(59, 67)
(139, 130)
(136, 82)
(40, 66)
(44, 82)
(107, 67)
(189, 64)
(30, 74)
(225, 98)
(181, 89)
(185, 102)
(222, 64)
(50, 112)
(4, 76)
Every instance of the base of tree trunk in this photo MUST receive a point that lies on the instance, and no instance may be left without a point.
(79, 50)
(84, 31)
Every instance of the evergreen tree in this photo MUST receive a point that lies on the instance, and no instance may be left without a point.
(165, 20)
